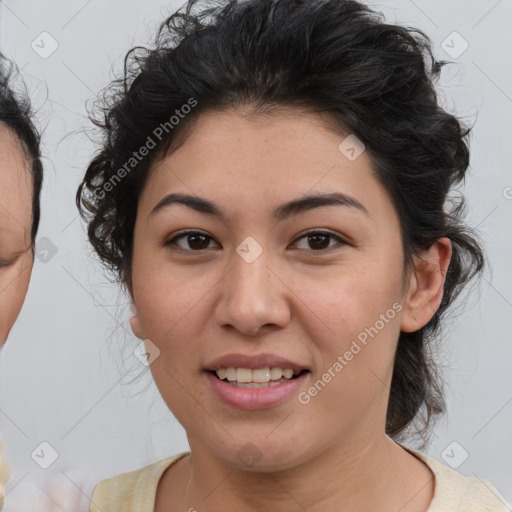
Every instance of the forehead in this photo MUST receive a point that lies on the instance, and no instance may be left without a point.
(251, 162)
(15, 184)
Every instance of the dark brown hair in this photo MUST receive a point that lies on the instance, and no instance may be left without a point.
(336, 57)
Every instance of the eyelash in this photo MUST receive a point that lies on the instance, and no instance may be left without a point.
(172, 241)
(5, 264)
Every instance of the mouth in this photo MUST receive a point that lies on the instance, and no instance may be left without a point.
(250, 395)
(258, 378)
(251, 382)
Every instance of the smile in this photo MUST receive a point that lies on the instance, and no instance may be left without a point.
(256, 376)
(248, 394)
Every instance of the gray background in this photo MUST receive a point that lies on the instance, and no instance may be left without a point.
(68, 375)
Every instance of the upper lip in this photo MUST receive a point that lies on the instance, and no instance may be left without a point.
(253, 362)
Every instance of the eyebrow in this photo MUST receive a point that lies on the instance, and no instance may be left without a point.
(280, 213)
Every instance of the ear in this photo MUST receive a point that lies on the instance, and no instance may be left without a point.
(426, 286)
(135, 323)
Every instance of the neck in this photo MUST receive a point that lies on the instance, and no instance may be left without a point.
(364, 474)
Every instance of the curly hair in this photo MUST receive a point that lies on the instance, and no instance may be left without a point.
(336, 57)
(16, 113)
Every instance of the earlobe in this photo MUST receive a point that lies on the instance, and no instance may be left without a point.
(426, 286)
(135, 323)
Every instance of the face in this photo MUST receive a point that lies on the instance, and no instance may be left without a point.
(317, 286)
(16, 256)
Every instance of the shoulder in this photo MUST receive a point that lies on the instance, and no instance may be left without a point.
(455, 492)
(132, 491)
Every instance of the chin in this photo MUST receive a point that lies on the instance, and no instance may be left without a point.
(261, 455)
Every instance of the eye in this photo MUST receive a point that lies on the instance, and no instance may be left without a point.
(198, 241)
(319, 240)
(195, 239)
(7, 263)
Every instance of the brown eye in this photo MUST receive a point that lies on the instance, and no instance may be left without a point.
(196, 241)
(319, 240)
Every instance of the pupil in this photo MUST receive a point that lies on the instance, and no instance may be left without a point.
(195, 237)
(315, 245)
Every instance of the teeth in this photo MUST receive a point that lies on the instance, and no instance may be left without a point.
(257, 385)
(243, 375)
(288, 374)
(276, 373)
(259, 375)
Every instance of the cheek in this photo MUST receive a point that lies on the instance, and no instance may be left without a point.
(13, 289)
(167, 301)
(348, 300)
(357, 335)
(173, 311)
(173, 306)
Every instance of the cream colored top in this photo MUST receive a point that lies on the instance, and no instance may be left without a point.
(453, 492)
(4, 474)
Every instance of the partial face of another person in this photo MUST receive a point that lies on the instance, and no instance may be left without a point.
(16, 255)
(305, 284)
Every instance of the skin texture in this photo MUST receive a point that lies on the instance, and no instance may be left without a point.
(16, 255)
(295, 301)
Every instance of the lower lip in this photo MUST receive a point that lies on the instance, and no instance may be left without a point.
(256, 398)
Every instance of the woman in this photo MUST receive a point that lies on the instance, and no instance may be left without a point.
(271, 192)
(21, 176)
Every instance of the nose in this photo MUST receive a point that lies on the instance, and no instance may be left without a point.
(253, 297)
